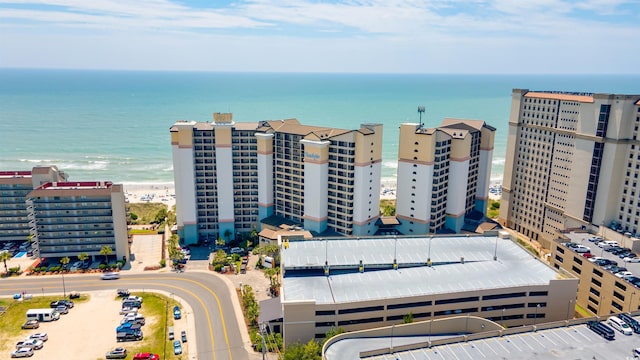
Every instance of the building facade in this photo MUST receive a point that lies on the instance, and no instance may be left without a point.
(69, 218)
(14, 187)
(600, 292)
(229, 176)
(573, 161)
(443, 175)
(365, 283)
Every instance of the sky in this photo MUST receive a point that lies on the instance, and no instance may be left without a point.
(339, 36)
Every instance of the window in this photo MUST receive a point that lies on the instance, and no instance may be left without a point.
(458, 300)
(538, 293)
(362, 309)
(504, 296)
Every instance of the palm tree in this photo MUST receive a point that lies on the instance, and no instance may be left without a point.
(65, 261)
(82, 257)
(4, 256)
(106, 251)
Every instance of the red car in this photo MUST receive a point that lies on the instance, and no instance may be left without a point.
(588, 255)
(146, 356)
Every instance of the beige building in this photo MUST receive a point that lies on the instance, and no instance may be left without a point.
(368, 282)
(573, 160)
(14, 187)
(600, 292)
(443, 175)
(69, 218)
(230, 176)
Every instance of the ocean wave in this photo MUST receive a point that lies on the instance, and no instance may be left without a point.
(390, 164)
(498, 161)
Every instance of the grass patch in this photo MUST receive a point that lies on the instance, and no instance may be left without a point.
(493, 209)
(145, 212)
(142, 232)
(529, 247)
(15, 315)
(158, 310)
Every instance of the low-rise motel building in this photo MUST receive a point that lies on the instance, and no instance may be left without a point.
(369, 282)
(601, 292)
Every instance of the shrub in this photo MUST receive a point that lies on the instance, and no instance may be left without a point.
(102, 266)
(163, 262)
(218, 267)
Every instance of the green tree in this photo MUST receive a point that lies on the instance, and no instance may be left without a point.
(331, 333)
(160, 216)
(106, 251)
(220, 241)
(83, 256)
(65, 261)
(308, 351)
(272, 275)
(227, 234)
(133, 216)
(220, 257)
(4, 256)
(408, 319)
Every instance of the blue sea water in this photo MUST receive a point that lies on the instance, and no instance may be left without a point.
(114, 125)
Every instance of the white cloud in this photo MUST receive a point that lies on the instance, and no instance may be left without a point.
(304, 35)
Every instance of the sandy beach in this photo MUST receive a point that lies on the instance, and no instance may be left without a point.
(165, 192)
(152, 193)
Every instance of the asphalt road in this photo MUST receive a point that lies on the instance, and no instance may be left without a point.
(217, 330)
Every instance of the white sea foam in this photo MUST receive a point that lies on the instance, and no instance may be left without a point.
(498, 161)
(390, 164)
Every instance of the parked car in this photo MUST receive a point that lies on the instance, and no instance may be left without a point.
(117, 353)
(66, 303)
(22, 352)
(177, 314)
(128, 310)
(177, 347)
(76, 266)
(62, 309)
(40, 336)
(30, 343)
(183, 335)
(132, 298)
(146, 356)
(623, 274)
(124, 293)
(31, 324)
(132, 335)
(74, 295)
(632, 260)
(237, 250)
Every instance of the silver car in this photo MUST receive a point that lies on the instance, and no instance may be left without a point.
(22, 352)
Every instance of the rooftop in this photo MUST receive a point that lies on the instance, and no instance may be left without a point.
(302, 260)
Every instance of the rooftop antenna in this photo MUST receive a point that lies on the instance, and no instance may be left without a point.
(420, 111)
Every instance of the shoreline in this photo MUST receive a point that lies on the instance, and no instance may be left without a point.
(164, 192)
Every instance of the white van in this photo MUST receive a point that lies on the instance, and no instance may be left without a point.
(43, 315)
(616, 323)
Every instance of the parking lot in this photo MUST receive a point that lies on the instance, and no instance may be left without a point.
(576, 342)
(598, 253)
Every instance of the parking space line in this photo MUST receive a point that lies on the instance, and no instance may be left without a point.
(569, 332)
(547, 338)
(448, 347)
(536, 340)
(504, 347)
(513, 343)
(522, 337)
(474, 345)
(475, 349)
(486, 342)
(555, 333)
(464, 348)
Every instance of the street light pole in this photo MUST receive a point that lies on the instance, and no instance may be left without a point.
(64, 288)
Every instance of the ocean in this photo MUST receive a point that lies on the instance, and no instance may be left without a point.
(114, 125)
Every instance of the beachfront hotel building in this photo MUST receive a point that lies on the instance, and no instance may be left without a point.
(14, 187)
(443, 175)
(230, 176)
(365, 283)
(573, 160)
(69, 218)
